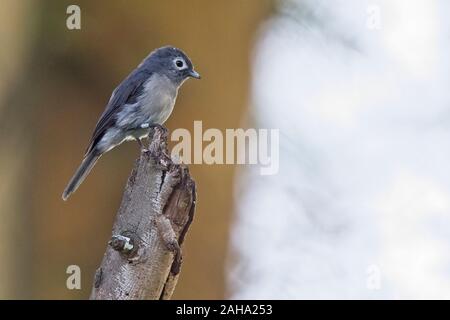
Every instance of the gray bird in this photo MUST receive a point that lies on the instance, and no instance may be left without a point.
(144, 99)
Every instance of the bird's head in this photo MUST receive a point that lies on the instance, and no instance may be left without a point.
(173, 63)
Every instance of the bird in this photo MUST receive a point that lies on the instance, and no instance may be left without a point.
(144, 99)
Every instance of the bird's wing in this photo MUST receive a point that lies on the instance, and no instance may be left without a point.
(126, 92)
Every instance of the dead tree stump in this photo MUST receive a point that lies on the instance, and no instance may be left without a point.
(143, 258)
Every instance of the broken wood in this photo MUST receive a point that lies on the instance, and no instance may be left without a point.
(143, 258)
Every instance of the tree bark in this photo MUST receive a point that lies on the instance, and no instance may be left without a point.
(143, 258)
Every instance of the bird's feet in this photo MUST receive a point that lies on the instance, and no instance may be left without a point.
(157, 127)
(157, 148)
(158, 138)
(141, 145)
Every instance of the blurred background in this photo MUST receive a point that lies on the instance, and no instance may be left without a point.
(358, 89)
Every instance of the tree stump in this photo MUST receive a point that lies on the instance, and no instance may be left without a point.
(143, 258)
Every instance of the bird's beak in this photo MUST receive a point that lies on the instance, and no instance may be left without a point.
(195, 74)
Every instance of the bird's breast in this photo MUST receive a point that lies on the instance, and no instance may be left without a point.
(158, 99)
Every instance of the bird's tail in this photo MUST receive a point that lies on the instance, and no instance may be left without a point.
(88, 163)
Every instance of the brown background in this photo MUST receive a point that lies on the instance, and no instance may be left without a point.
(54, 84)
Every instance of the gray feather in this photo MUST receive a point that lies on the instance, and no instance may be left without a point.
(86, 166)
(126, 92)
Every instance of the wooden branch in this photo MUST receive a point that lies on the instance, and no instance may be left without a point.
(143, 258)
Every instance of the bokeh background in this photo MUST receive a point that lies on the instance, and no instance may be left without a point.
(358, 89)
(54, 85)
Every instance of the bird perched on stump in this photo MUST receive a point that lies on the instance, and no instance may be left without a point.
(143, 100)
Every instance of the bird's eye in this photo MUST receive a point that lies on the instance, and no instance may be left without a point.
(180, 64)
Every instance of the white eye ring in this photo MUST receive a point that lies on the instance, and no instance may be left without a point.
(180, 64)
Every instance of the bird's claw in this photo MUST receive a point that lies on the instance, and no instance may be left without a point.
(157, 127)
